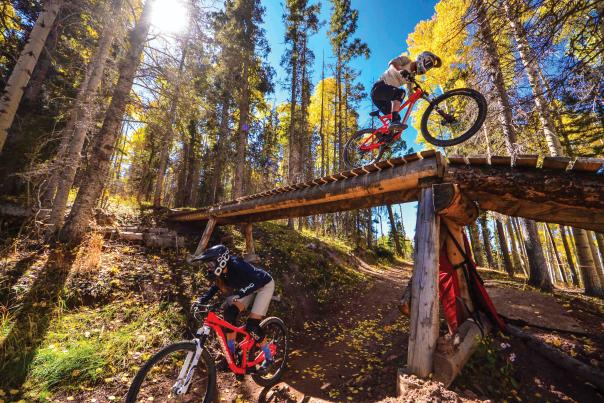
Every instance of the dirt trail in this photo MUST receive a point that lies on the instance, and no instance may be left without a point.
(343, 356)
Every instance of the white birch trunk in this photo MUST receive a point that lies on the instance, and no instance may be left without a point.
(9, 102)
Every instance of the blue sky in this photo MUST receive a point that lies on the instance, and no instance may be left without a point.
(384, 26)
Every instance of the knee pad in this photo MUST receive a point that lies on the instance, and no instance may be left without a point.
(230, 315)
(253, 328)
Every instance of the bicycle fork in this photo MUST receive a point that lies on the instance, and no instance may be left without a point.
(181, 386)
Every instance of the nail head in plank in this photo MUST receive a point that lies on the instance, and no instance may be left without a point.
(529, 161)
(583, 164)
(559, 163)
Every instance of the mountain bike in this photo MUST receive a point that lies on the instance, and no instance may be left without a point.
(450, 119)
(186, 370)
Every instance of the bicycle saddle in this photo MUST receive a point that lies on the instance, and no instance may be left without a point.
(375, 114)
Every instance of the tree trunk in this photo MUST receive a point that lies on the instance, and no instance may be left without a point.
(219, 157)
(596, 258)
(242, 133)
(164, 154)
(100, 159)
(507, 264)
(503, 107)
(591, 280)
(569, 257)
(600, 242)
(538, 275)
(486, 239)
(529, 62)
(476, 246)
(556, 254)
(80, 120)
(11, 97)
(369, 228)
(321, 133)
(397, 242)
(516, 260)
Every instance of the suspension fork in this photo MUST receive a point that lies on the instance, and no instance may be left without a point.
(181, 386)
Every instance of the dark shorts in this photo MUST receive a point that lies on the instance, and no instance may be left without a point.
(383, 94)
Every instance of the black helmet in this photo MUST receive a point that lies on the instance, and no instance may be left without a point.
(218, 255)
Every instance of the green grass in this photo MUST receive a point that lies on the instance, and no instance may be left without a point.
(89, 346)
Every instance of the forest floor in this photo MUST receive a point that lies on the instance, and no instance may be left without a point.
(75, 325)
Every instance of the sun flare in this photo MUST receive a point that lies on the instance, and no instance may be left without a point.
(170, 16)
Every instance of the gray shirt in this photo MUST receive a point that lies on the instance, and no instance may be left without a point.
(392, 75)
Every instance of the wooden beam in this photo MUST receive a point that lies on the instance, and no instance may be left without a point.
(563, 197)
(205, 237)
(424, 289)
(449, 202)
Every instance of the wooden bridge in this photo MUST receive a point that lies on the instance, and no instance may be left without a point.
(551, 189)
(554, 189)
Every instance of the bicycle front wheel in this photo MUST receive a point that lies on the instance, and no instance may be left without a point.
(362, 149)
(454, 117)
(166, 375)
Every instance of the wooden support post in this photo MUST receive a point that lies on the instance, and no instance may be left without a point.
(205, 238)
(250, 249)
(424, 288)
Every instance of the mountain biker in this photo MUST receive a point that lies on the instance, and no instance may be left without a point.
(248, 283)
(386, 93)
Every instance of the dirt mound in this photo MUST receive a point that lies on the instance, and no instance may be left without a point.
(414, 389)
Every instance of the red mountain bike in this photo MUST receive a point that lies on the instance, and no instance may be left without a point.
(186, 370)
(450, 119)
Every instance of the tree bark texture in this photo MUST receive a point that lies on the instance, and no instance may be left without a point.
(80, 120)
(556, 254)
(538, 274)
(476, 246)
(104, 145)
(11, 97)
(591, 280)
(486, 238)
(516, 258)
(569, 257)
(507, 263)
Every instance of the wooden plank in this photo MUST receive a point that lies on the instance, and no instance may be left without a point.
(526, 161)
(205, 237)
(583, 164)
(424, 289)
(478, 160)
(559, 163)
(411, 157)
(427, 153)
(457, 160)
(501, 160)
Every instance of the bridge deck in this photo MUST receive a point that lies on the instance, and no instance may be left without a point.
(554, 189)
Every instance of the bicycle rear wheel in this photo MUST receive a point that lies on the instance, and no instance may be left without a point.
(454, 117)
(159, 378)
(276, 334)
(358, 150)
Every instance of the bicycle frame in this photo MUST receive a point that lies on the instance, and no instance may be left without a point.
(370, 144)
(216, 323)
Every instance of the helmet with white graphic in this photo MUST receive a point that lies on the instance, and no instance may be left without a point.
(216, 259)
(426, 61)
